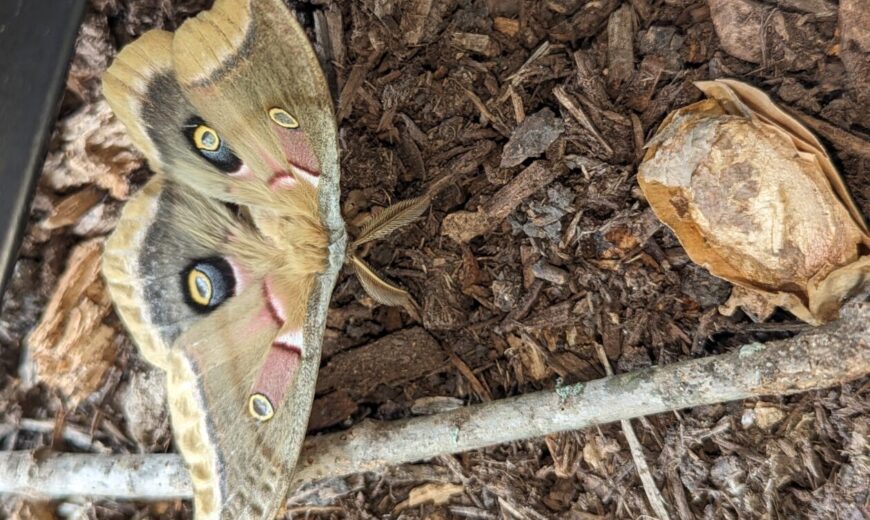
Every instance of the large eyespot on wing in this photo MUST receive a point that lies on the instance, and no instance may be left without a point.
(205, 141)
(249, 70)
(142, 90)
(207, 283)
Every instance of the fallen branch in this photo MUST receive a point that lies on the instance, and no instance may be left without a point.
(824, 357)
(646, 479)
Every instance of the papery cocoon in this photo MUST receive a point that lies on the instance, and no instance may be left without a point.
(754, 198)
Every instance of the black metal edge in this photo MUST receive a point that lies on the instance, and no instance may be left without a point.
(36, 42)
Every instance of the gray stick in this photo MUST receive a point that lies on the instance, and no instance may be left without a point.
(824, 357)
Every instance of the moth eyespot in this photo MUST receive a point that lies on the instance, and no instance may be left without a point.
(205, 142)
(283, 118)
(207, 283)
(199, 287)
(260, 407)
(205, 138)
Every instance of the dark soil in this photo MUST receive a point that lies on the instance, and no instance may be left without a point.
(431, 90)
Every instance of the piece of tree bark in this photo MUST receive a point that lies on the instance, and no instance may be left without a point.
(462, 226)
(824, 357)
(72, 348)
(620, 46)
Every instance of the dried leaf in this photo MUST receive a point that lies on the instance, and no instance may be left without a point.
(753, 197)
(530, 355)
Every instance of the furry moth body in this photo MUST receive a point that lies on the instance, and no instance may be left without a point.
(222, 265)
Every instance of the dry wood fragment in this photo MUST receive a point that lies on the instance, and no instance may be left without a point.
(531, 357)
(349, 90)
(435, 492)
(506, 26)
(620, 46)
(854, 22)
(827, 356)
(94, 150)
(546, 271)
(472, 379)
(462, 226)
(759, 33)
(413, 22)
(71, 208)
(142, 399)
(71, 348)
(841, 139)
(565, 7)
(331, 409)
(532, 137)
(401, 356)
(585, 22)
(478, 43)
(574, 109)
(517, 77)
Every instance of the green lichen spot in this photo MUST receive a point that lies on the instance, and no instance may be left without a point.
(566, 391)
(750, 349)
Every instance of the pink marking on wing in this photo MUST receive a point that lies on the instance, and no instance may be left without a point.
(242, 173)
(241, 275)
(276, 310)
(300, 154)
(278, 372)
(282, 180)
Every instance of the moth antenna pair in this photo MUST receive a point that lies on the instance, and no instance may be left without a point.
(379, 226)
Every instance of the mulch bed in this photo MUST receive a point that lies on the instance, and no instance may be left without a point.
(539, 111)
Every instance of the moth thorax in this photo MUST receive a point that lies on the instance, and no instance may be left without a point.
(300, 241)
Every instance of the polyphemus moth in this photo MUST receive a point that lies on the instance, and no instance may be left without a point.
(222, 265)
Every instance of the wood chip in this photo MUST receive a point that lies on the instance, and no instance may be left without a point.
(94, 150)
(72, 348)
(478, 43)
(413, 23)
(436, 493)
(330, 410)
(531, 356)
(585, 22)
(620, 46)
(71, 208)
(462, 226)
(398, 358)
(574, 109)
(532, 137)
(506, 26)
(349, 90)
(469, 376)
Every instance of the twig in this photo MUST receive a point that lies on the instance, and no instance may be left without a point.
(75, 437)
(824, 357)
(846, 141)
(581, 117)
(649, 485)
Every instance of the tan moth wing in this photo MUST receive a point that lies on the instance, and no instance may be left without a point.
(222, 265)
